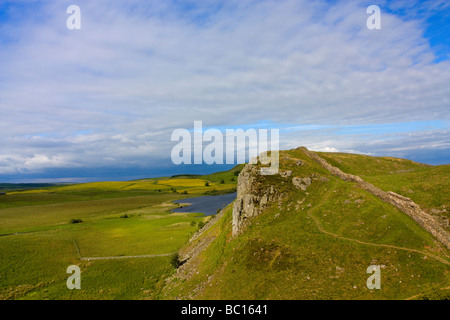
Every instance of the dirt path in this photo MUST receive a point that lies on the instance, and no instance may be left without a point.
(404, 204)
(322, 229)
(128, 257)
(420, 294)
(15, 233)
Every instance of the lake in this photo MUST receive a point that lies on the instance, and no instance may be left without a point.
(207, 205)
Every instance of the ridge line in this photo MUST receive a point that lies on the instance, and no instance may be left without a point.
(404, 204)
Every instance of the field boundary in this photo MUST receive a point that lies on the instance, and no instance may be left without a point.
(321, 228)
(421, 294)
(120, 257)
(129, 257)
(78, 249)
(404, 204)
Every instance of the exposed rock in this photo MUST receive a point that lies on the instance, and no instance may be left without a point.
(301, 183)
(286, 174)
(251, 198)
(264, 200)
(442, 220)
(307, 181)
(299, 163)
(437, 211)
(339, 269)
(297, 181)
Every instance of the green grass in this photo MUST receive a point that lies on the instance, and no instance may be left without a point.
(37, 260)
(32, 218)
(51, 194)
(34, 261)
(315, 244)
(426, 185)
(285, 253)
(34, 267)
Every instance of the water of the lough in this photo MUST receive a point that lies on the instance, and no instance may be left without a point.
(207, 205)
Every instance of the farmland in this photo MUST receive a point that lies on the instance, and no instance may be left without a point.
(45, 230)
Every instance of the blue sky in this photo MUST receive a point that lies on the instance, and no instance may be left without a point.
(101, 103)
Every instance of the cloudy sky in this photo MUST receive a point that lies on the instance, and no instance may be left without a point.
(101, 103)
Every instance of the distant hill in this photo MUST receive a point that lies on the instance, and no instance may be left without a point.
(312, 231)
(5, 187)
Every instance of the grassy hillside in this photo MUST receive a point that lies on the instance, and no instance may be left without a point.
(8, 187)
(426, 185)
(116, 220)
(309, 244)
(318, 243)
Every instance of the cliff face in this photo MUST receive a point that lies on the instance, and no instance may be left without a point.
(311, 214)
(252, 198)
(254, 194)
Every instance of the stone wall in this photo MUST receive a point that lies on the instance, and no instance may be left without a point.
(404, 204)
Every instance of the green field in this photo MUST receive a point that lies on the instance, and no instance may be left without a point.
(313, 244)
(119, 219)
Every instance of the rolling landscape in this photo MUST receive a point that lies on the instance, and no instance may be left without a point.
(224, 158)
(45, 230)
(304, 233)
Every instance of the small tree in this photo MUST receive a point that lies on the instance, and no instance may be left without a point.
(175, 260)
(206, 184)
(201, 224)
(222, 181)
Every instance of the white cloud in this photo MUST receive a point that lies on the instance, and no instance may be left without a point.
(137, 70)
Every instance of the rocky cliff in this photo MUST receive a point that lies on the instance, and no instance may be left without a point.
(254, 196)
(251, 198)
(311, 231)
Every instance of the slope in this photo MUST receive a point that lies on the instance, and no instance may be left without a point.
(307, 234)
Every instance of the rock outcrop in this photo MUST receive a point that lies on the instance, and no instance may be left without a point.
(252, 197)
(301, 183)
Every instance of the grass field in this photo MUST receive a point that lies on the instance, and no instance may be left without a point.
(118, 219)
(313, 244)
